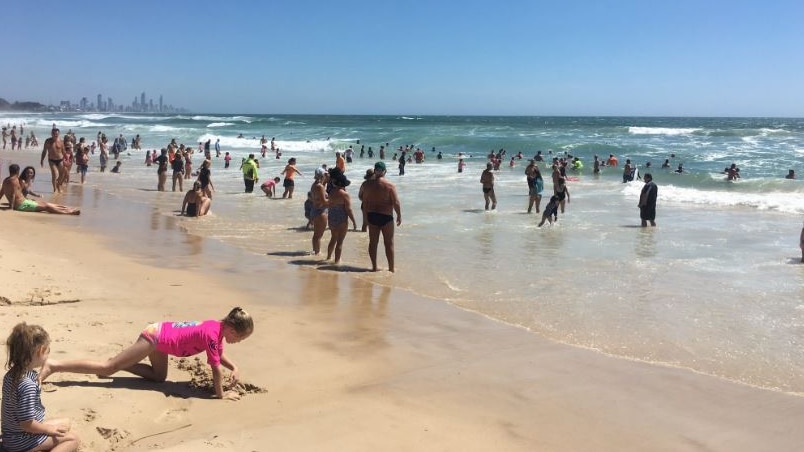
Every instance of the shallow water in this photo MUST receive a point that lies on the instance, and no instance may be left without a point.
(716, 287)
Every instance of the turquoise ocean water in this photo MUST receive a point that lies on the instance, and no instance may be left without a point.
(716, 287)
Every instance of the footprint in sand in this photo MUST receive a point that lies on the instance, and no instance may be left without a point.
(89, 414)
(113, 435)
(171, 416)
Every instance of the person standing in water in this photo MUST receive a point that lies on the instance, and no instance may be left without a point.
(647, 201)
(381, 201)
(487, 179)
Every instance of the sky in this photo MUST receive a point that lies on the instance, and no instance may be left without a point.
(450, 57)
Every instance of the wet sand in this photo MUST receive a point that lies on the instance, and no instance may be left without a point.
(345, 364)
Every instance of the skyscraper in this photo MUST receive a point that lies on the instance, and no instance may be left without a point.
(100, 102)
(161, 108)
(142, 101)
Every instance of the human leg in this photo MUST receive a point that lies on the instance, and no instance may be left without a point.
(64, 175)
(55, 208)
(388, 241)
(319, 226)
(374, 240)
(160, 186)
(68, 442)
(204, 208)
(338, 233)
(124, 360)
(55, 176)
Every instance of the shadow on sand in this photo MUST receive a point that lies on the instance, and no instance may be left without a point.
(169, 388)
(288, 253)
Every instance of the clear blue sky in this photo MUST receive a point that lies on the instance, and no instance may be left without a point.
(467, 57)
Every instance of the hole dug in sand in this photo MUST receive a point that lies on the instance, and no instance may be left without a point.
(201, 378)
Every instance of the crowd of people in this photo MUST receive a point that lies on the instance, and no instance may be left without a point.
(324, 209)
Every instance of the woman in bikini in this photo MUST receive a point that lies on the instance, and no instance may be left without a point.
(340, 212)
(319, 212)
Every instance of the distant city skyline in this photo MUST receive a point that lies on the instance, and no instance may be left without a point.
(138, 105)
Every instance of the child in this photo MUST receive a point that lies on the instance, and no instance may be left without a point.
(116, 168)
(550, 210)
(24, 425)
(269, 187)
(159, 340)
(227, 158)
(308, 209)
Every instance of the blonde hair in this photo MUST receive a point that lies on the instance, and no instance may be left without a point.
(23, 342)
(240, 321)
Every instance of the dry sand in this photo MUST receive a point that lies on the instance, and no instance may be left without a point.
(346, 365)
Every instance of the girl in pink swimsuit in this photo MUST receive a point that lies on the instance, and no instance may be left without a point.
(159, 340)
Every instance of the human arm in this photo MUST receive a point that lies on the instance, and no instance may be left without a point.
(566, 191)
(184, 203)
(45, 428)
(397, 206)
(217, 383)
(229, 364)
(44, 153)
(347, 204)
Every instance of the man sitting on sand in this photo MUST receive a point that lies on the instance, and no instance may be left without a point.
(12, 190)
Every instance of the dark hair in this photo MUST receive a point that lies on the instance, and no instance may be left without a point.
(24, 173)
(23, 342)
(240, 321)
(13, 169)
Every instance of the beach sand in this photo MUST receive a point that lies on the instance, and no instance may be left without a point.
(344, 364)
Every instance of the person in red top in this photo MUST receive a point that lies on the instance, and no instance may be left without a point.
(612, 161)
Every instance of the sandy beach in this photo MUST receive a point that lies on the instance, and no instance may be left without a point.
(343, 364)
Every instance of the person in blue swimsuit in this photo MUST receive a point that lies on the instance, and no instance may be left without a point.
(340, 212)
(318, 215)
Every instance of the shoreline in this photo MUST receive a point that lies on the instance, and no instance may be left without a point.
(360, 365)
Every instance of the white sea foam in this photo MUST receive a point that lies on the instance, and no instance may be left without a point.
(62, 124)
(219, 124)
(245, 119)
(660, 130)
(780, 201)
(159, 128)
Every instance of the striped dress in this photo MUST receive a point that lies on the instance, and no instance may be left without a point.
(21, 402)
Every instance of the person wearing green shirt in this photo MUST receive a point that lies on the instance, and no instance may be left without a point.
(250, 173)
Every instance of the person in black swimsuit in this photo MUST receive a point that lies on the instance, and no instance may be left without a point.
(380, 202)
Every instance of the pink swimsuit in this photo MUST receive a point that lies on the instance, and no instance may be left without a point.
(187, 338)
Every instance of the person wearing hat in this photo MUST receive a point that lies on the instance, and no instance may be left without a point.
(340, 212)
(487, 179)
(380, 201)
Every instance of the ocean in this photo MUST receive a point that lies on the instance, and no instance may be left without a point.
(716, 288)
